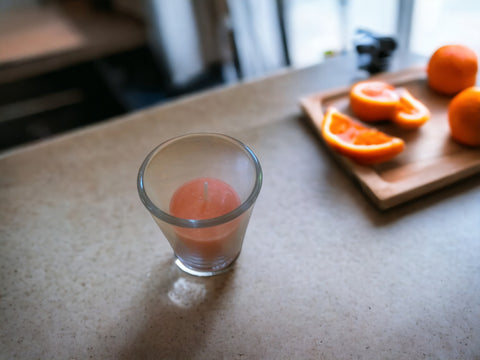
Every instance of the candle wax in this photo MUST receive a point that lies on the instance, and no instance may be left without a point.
(203, 198)
(206, 198)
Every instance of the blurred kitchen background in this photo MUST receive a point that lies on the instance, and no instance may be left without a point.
(67, 64)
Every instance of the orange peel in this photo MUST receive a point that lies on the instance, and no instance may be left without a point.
(411, 113)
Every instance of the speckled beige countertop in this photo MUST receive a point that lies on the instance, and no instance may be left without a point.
(86, 274)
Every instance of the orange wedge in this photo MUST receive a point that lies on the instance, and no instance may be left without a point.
(410, 113)
(363, 144)
(373, 100)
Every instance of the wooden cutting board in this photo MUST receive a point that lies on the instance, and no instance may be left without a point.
(431, 159)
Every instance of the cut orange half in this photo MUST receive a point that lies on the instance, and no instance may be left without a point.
(363, 144)
(373, 100)
(410, 113)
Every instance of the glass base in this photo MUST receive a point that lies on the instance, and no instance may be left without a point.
(194, 272)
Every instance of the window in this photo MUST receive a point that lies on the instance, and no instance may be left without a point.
(315, 27)
(443, 22)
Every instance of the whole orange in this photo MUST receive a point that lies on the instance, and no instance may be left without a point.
(464, 116)
(452, 68)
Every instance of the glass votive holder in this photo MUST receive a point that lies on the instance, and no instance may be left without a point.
(201, 189)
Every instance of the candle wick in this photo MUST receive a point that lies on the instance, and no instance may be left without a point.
(205, 191)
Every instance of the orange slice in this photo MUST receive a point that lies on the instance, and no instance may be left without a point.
(373, 100)
(363, 144)
(410, 113)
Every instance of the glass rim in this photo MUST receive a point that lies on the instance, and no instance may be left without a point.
(192, 223)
